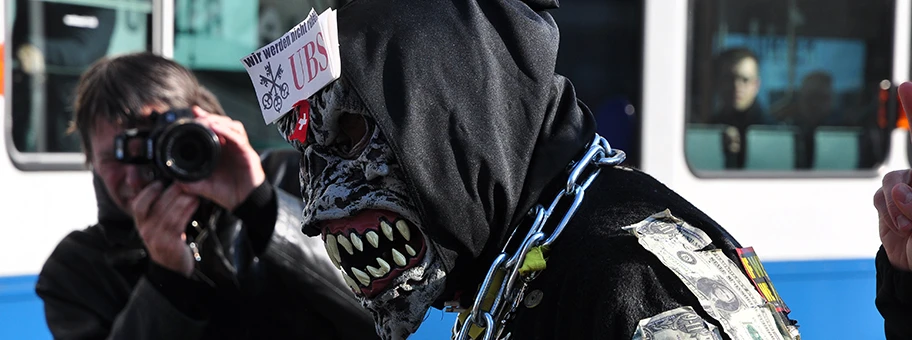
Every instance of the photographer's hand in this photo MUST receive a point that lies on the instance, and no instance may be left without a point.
(239, 171)
(161, 219)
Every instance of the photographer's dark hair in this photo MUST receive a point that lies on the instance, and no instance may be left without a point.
(117, 88)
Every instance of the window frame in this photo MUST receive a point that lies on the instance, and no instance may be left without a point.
(161, 12)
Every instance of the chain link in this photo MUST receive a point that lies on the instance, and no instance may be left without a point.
(599, 154)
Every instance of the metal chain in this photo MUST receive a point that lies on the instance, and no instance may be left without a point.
(599, 154)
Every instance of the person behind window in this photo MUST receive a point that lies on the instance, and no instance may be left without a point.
(813, 108)
(738, 82)
(71, 38)
(133, 275)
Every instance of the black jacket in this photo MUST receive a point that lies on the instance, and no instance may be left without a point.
(894, 298)
(99, 284)
(740, 121)
(599, 281)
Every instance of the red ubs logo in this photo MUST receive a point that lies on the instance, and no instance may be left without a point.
(309, 58)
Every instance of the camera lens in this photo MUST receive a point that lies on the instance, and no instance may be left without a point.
(188, 154)
(189, 151)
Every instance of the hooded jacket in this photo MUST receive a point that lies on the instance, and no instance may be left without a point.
(467, 95)
(255, 282)
(483, 128)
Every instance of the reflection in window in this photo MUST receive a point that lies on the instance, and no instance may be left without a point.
(788, 85)
(211, 37)
(53, 42)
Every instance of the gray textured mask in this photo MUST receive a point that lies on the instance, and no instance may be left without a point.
(356, 198)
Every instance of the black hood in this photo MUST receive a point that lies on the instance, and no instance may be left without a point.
(467, 94)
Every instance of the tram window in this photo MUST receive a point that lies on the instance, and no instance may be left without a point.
(788, 86)
(52, 43)
(211, 37)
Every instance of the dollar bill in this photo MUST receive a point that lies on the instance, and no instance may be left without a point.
(723, 291)
(677, 324)
(664, 227)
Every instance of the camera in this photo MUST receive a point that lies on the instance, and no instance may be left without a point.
(177, 147)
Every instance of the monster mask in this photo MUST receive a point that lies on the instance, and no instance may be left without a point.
(447, 125)
(356, 198)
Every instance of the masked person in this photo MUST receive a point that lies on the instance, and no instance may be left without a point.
(250, 273)
(893, 202)
(430, 154)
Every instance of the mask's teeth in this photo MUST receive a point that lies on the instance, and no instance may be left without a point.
(398, 258)
(387, 230)
(373, 238)
(356, 241)
(384, 266)
(361, 276)
(350, 282)
(346, 244)
(410, 250)
(404, 230)
(332, 249)
(375, 272)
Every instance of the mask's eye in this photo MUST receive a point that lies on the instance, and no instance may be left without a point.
(354, 134)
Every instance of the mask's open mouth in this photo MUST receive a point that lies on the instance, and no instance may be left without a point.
(372, 248)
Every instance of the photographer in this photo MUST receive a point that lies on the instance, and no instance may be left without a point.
(218, 256)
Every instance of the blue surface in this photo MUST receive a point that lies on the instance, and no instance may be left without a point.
(830, 300)
(21, 312)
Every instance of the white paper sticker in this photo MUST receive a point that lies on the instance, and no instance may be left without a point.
(296, 65)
